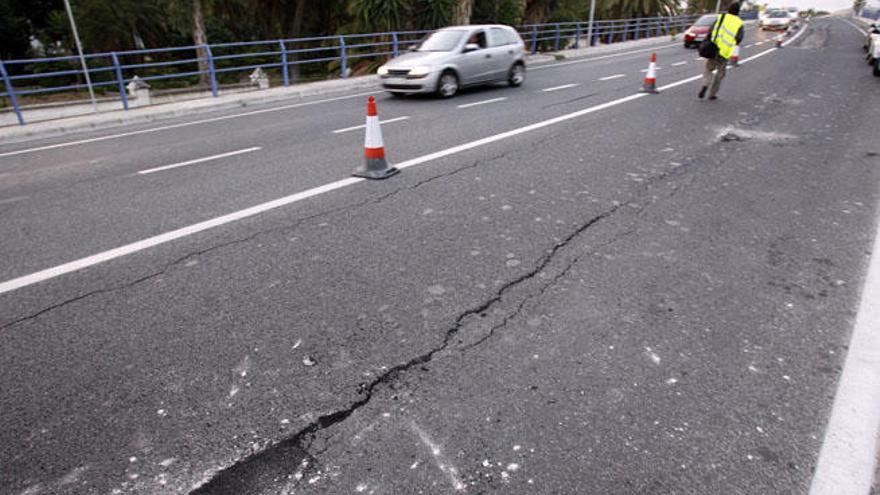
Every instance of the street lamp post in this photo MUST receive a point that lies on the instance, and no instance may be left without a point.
(717, 6)
(590, 29)
(82, 58)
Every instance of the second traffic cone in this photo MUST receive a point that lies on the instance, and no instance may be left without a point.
(734, 59)
(650, 85)
(779, 41)
(376, 167)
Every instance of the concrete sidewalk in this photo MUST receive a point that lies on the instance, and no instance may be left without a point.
(90, 122)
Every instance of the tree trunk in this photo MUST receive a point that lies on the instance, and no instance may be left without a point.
(298, 15)
(200, 38)
(461, 13)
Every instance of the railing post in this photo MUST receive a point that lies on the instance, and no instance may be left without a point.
(343, 57)
(534, 39)
(285, 72)
(395, 46)
(556, 40)
(626, 30)
(211, 69)
(577, 35)
(595, 36)
(638, 28)
(119, 80)
(11, 92)
(666, 25)
(610, 33)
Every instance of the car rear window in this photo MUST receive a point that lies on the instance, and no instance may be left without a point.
(706, 20)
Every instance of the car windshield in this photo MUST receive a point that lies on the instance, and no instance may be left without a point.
(778, 14)
(792, 9)
(441, 41)
(706, 20)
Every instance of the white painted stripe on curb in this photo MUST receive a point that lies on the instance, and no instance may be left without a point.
(558, 88)
(354, 128)
(615, 76)
(484, 102)
(199, 160)
(89, 261)
(848, 456)
(182, 124)
(679, 63)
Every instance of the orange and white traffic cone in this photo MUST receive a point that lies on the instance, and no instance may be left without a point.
(734, 58)
(376, 167)
(779, 41)
(650, 85)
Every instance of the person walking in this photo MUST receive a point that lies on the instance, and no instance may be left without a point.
(726, 33)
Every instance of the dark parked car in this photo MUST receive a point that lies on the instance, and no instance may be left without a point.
(698, 32)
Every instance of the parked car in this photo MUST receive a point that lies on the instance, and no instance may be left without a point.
(699, 30)
(775, 20)
(794, 14)
(872, 30)
(456, 57)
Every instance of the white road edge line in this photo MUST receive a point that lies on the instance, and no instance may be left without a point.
(848, 456)
(484, 102)
(182, 124)
(558, 88)
(861, 30)
(362, 126)
(198, 160)
(679, 63)
(57, 271)
(615, 76)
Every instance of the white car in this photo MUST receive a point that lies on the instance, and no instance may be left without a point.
(777, 20)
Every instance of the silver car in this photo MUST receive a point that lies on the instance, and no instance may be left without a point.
(455, 57)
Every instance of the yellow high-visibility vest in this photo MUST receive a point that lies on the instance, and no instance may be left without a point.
(726, 32)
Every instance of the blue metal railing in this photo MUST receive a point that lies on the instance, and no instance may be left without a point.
(188, 66)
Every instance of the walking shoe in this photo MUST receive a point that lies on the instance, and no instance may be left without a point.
(702, 92)
(713, 97)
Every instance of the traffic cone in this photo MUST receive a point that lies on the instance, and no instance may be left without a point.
(376, 167)
(734, 58)
(779, 41)
(650, 85)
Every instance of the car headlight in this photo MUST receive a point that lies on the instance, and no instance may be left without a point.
(383, 71)
(420, 71)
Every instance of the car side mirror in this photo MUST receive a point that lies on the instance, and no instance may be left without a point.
(471, 47)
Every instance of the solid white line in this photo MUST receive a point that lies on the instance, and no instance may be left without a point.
(679, 63)
(484, 102)
(199, 160)
(858, 28)
(848, 456)
(80, 264)
(551, 65)
(354, 128)
(759, 43)
(557, 88)
(615, 76)
(183, 124)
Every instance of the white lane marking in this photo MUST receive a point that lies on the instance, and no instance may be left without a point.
(615, 76)
(199, 160)
(73, 266)
(134, 247)
(699, 58)
(551, 65)
(182, 124)
(484, 102)
(848, 456)
(558, 88)
(362, 126)
(13, 199)
(679, 63)
(861, 30)
(759, 43)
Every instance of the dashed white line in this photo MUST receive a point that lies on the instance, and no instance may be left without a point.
(199, 160)
(362, 126)
(484, 102)
(558, 88)
(182, 124)
(679, 63)
(615, 76)
(759, 43)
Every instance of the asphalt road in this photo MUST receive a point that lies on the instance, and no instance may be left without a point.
(652, 297)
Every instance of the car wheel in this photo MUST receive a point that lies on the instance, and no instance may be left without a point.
(448, 84)
(517, 75)
(687, 45)
(877, 67)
